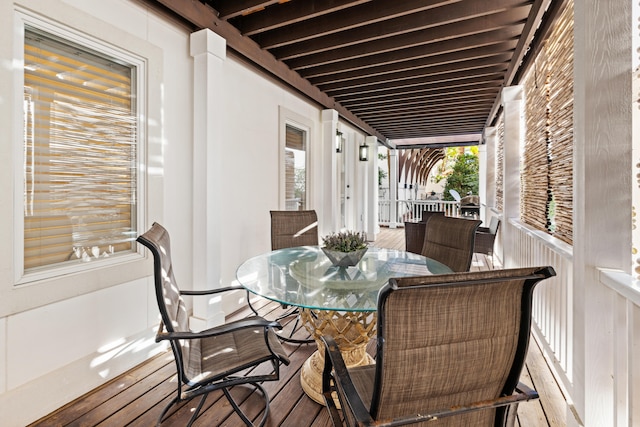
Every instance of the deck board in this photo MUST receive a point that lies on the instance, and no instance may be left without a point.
(137, 397)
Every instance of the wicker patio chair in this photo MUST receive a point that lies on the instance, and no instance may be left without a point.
(486, 236)
(450, 241)
(290, 229)
(450, 352)
(216, 358)
(414, 232)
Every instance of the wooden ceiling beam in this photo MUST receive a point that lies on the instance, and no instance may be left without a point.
(227, 9)
(443, 47)
(230, 8)
(374, 12)
(477, 75)
(422, 63)
(494, 63)
(394, 45)
(353, 43)
(423, 122)
(203, 16)
(446, 108)
(444, 102)
(290, 13)
(436, 129)
(422, 95)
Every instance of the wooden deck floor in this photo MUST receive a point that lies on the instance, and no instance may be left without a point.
(137, 397)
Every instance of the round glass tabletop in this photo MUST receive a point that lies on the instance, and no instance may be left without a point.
(303, 276)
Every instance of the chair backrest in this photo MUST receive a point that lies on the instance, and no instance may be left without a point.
(450, 241)
(454, 339)
(414, 232)
(172, 308)
(293, 228)
(494, 225)
(428, 214)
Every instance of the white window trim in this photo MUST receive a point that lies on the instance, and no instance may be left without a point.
(291, 118)
(32, 290)
(140, 64)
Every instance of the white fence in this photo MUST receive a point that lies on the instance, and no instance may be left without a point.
(618, 311)
(552, 300)
(412, 210)
(609, 366)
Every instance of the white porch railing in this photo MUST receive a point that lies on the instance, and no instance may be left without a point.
(412, 210)
(552, 300)
(618, 309)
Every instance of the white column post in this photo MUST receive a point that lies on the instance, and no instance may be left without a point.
(393, 188)
(209, 52)
(482, 181)
(329, 220)
(602, 223)
(513, 106)
(370, 213)
(490, 138)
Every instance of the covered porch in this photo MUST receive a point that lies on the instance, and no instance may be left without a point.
(137, 397)
(217, 84)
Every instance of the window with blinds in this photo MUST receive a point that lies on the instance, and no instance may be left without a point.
(80, 161)
(547, 169)
(295, 169)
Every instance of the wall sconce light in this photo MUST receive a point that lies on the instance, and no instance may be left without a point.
(339, 141)
(364, 152)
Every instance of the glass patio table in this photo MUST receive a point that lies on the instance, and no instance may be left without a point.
(338, 301)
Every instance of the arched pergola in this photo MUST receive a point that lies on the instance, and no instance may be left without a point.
(416, 164)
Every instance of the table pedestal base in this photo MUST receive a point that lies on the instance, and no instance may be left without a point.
(352, 332)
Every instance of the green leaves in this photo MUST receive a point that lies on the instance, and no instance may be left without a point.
(345, 241)
(464, 176)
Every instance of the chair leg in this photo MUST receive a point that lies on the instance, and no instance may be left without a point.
(239, 411)
(290, 338)
(165, 410)
(197, 411)
(294, 311)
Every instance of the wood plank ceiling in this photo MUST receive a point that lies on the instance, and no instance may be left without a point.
(414, 73)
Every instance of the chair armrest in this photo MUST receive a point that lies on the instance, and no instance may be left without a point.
(213, 291)
(483, 230)
(333, 358)
(252, 322)
(342, 380)
(522, 393)
(524, 389)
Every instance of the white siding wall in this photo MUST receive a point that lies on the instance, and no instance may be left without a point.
(603, 205)
(67, 344)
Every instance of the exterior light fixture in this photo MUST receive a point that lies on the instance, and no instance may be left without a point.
(364, 152)
(339, 141)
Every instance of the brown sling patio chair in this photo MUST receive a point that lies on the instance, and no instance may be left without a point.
(450, 241)
(290, 229)
(414, 232)
(216, 358)
(486, 236)
(450, 352)
(293, 228)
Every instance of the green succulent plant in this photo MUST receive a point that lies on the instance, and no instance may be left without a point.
(345, 241)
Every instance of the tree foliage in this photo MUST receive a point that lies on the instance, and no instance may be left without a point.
(463, 176)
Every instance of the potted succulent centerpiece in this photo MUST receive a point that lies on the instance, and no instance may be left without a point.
(345, 248)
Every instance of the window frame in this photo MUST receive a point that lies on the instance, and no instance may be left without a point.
(290, 118)
(135, 273)
(41, 24)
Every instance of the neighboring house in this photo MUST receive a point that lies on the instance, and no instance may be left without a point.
(209, 163)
